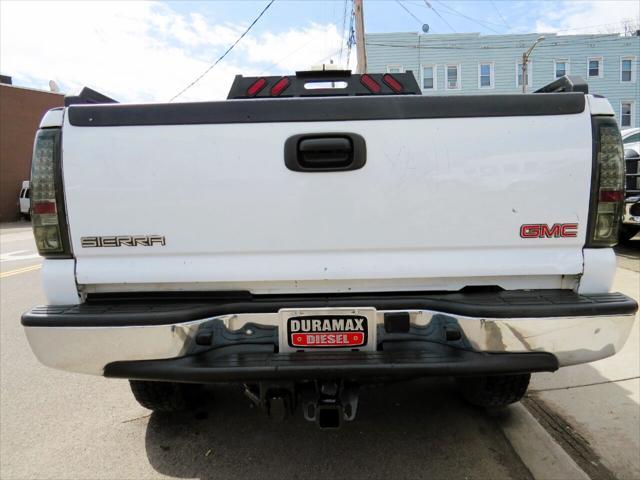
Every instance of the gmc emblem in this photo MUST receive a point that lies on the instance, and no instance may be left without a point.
(542, 230)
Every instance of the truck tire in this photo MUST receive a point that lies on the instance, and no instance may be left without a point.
(493, 391)
(165, 396)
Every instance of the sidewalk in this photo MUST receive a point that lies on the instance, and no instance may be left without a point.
(16, 224)
(601, 401)
(9, 229)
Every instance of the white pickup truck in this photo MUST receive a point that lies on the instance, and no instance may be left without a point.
(302, 242)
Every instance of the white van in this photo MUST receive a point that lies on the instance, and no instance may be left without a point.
(24, 201)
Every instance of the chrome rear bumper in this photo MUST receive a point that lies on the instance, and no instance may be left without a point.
(88, 349)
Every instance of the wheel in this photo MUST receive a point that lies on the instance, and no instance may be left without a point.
(493, 391)
(165, 396)
(627, 232)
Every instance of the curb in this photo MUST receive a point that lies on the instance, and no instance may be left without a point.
(540, 453)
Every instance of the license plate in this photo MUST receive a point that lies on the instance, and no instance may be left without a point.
(327, 329)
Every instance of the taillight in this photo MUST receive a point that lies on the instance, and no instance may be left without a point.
(47, 204)
(392, 83)
(607, 188)
(256, 87)
(280, 86)
(370, 83)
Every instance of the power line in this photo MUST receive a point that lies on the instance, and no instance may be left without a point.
(485, 23)
(471, 42)
(589, 26)
(438, 13)
(499, 14)
(410, 12)
(497, 47)
(321, 61)
(224, 54)
(352, 36)
(276, 64)
(482, 23)
(492, 47)
(344, 26)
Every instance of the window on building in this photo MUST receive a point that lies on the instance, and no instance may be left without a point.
(394, 68)
(626, 113)
(561, 68)
(626, 69)
(594, 67)
(452, 80)
(485, 75)
(428, 77)
(519, 73)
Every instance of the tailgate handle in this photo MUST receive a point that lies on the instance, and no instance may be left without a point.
(322, 152)
(330, 152)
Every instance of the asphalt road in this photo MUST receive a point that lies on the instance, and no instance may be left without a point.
(60, 425)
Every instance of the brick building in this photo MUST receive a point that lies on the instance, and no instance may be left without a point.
(20, 112)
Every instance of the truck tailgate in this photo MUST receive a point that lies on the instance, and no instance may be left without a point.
(439, 203)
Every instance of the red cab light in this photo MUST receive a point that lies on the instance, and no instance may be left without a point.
(280, 86)
(370, 83)
(392, 83)
(256, 87)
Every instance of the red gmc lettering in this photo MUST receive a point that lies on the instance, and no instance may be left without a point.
(530, 231)
(542, 230)
(569, 230)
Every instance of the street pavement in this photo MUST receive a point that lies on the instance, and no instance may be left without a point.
(55, 424)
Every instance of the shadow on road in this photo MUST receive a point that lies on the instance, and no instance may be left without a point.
(403, 430)
(628, 254)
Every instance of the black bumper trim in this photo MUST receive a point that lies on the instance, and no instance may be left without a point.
(504, 304)
(437, 360)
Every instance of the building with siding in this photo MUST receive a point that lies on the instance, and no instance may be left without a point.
(470, 63)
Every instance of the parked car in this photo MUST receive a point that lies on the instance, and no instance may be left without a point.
(631, 138)
(24, 202)
(631, 213)
(329, 239)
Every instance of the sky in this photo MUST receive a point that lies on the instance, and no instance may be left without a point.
(150, 51)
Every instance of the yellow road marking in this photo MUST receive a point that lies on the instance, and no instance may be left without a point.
(18, 271)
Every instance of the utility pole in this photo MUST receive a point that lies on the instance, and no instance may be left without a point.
(525, 62)
(362, 54)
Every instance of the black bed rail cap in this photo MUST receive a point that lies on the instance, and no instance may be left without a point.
(326, 109)
(567, 83)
